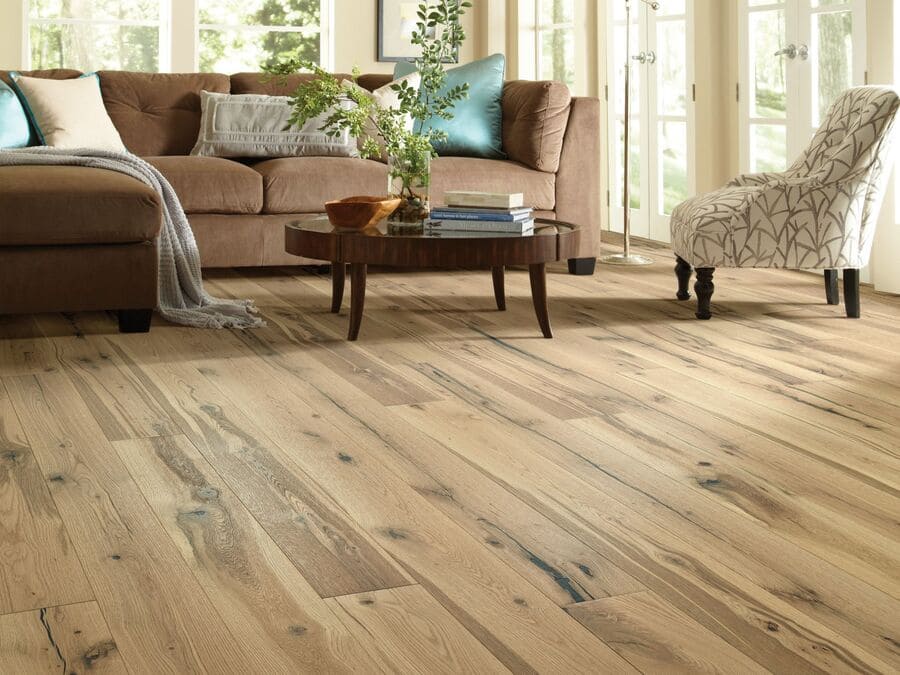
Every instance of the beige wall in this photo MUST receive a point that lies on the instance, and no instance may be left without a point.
(10, 34)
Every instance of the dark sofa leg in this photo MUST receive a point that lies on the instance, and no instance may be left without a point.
(832, 294)
(135, 320)
(683, 271)
(582, 266)
(704, 288)
(851, 293)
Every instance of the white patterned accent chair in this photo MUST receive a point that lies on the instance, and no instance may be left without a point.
(819, 214)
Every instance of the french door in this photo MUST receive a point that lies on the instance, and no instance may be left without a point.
(796, 57)
(661, 153)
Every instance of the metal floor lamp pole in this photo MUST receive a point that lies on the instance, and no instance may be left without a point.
(627, 257)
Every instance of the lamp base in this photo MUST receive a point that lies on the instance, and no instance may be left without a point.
(632, 259)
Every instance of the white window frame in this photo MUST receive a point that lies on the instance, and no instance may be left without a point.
(179, 33)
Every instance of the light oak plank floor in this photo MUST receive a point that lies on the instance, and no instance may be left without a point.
(453, 493)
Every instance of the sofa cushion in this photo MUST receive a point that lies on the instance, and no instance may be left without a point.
(52, 74)
(252, 83)
(47, 205)
(212, 184)
(535, 116)
(492, 175)
(304, 184)
(158, 113)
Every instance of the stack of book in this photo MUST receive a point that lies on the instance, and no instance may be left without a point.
(482, 212)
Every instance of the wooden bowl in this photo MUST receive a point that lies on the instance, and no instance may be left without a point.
(358, 213)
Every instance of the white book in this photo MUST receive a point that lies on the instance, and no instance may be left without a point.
(497, 200)
(498, 226)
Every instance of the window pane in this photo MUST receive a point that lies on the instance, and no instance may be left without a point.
(767, 36)
(670, 7)
(671, 67)
(557, 11)
(768, 147)
(832, 54)
(237, 50)
(95, 47)
(558, 55)
(295, 13)
(119, 10)
(673, 179)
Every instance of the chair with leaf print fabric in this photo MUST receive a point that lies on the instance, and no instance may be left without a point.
(819, 214)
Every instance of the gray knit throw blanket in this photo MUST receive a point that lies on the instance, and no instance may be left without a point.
(182, 299)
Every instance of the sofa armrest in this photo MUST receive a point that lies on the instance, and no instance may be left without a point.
(535, 115)
(578, 179)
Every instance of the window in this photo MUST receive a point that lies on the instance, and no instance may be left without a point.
(230, 35)
(240, 35)
(555, 34)
(97, 34)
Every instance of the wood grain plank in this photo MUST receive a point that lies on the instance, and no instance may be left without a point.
(414, 632)
(70, 640)
(674, 555)
(495, 604)
(656, 638)
(158, 614)
(39, 566)
(265, 602)
(561, 566)
(313, 530)
(119, 405)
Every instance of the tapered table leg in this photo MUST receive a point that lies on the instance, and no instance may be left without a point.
(357, 298)
(338, 274)
(538, 275)
(499, 288)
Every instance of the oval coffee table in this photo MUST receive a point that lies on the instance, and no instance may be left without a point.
(382, 244)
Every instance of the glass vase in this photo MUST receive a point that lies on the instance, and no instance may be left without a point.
(409, 178)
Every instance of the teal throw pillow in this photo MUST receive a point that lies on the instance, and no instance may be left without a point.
(14, 129)
(476, 127)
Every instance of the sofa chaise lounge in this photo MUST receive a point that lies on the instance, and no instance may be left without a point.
(80, 239)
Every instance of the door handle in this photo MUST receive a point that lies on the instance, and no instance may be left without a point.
(790, 51)
(645, 57)
(803, 52)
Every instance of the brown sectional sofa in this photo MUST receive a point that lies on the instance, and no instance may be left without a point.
(76, 239)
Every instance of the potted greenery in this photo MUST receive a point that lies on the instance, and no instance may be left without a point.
(385, 131)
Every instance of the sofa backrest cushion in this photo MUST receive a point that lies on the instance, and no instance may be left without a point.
(54, 74)
(535, 117)
(252, 83)
(158, 113)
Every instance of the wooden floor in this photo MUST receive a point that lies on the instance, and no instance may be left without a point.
(453, 493)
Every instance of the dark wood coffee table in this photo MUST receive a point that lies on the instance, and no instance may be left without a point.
(316, 238)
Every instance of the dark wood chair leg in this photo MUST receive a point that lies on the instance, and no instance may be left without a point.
(582, 266)
(135, 320)
(704, 288)
(683, 271)
(338, 274)
(357, 298)
(851, 293)
(538, 275)
(499, 288)
(832, 294)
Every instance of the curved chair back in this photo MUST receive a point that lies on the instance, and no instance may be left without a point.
(855, 147)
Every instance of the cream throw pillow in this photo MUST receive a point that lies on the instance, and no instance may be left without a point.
(255, 125)
(386, 97)
(69, 113)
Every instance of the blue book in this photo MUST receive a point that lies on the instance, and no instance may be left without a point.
(507, 217)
